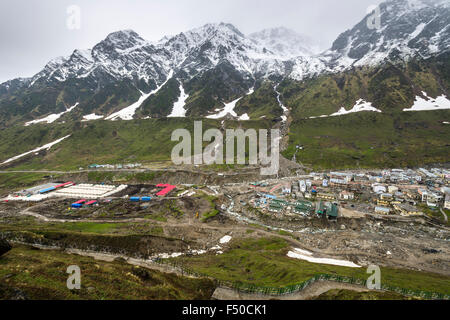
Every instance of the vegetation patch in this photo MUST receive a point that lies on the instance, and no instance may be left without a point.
(41, 274)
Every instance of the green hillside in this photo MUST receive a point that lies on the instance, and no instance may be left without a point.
(372, 140)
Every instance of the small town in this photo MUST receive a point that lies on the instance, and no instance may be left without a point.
(387, 192)
(329, 195)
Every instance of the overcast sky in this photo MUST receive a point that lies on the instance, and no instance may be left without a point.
(34, 31)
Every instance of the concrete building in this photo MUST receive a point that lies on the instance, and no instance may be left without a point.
(392, 189)
(382, 210)
(335, 181)
(341, 176)
(406, 209)
(302, 185)
(326, 196)
(332, 211)
(346, 195)
(35, 190)
(377, 188)
(447, 201)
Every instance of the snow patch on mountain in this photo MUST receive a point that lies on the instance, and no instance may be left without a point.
(44, 147)
(244, 117)
(360, 106)
(229, 108)
(91, 117)
(283, 107)
(52, 117)
(178, 110)
(305, 255)
(129, 112)
(429, 104)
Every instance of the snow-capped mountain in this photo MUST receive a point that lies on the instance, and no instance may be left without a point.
(407, 29)
(123, 54)
(204, 48)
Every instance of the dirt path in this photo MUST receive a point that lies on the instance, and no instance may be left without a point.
(310, 292)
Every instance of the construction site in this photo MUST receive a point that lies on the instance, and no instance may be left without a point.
(333, 215)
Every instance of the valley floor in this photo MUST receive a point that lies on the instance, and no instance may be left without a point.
(207, 240)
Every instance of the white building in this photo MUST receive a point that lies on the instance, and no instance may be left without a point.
(447, 201)
(377, 188)
(392, 189)
(382, 210)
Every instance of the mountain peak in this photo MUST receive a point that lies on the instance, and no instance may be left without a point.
(122, 34)
(123, 39)
(407, 28)
(211, 29)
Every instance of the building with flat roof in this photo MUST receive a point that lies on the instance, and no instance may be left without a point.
(447, 201)
(382, 210)
(346, 195)
(37, 189)
(406, 209)
(326, 196)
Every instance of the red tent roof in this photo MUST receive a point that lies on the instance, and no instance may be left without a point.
(63, 185)
(167, 188)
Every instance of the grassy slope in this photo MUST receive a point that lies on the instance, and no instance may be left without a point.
(372, 140)
(357, 140)
(263, 262)
(42, 274)
(102, 141)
